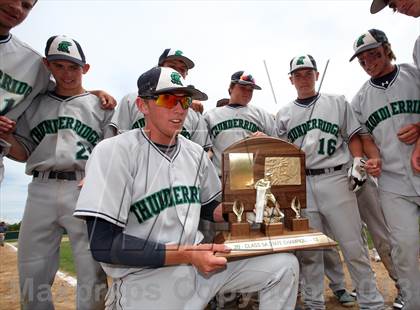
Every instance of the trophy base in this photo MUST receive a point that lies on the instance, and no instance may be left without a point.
(272, 229)
(239, 229)
(257, 244)
(301, 224)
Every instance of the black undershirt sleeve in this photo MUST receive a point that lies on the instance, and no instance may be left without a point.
(109, 244)
(208, 209)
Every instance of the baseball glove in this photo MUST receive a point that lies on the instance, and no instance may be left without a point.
(356, 174)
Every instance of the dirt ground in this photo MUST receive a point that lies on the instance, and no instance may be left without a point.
(64, 293)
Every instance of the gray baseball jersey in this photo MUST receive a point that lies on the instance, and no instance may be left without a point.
(332, 123)
(127, 116)
(59, 134)
(22, 77)
(382, 113)
(149, 194)
(229, 124)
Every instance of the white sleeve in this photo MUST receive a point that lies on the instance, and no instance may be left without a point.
(270, 124)
(356, 108)
(108, 185)
(211, 187)
(200, 133)
(350, 122)
(281, 120)
(125, 113)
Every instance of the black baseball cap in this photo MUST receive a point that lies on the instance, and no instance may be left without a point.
(244, 78)
(160, 80)
(64, 48)
(175, 54)
(371, 39)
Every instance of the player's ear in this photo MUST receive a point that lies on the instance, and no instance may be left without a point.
(85, 68)
(142, 105)
(46, 62)
(316, 75)
(291, 79)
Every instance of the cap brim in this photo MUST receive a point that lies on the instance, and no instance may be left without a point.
(189, 90)
(377, 5)
(366, 48)
(254, 86)
(303, 67)
(64, 57)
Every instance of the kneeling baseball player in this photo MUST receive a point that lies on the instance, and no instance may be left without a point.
(144, 194)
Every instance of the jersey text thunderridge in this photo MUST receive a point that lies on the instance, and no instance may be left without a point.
(155, 203)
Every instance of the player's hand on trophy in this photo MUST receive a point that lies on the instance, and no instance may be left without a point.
(409, 134)
(357, 174)
(373, 166)
(203, 258)
(7, 126)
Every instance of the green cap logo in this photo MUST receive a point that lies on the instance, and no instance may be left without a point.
(63, 46)
(300, 60)
(178, 53)
(176, 78)
(360, 40)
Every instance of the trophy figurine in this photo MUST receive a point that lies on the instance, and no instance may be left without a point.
(270, 217)
(239, 228)
(298, 223)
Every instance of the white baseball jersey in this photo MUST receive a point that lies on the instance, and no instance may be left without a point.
(59, 134)
(416, 53)
(325, 132)
(230, 124)
(382, 113)
(22, 77)
(132, 184)
(127, 116)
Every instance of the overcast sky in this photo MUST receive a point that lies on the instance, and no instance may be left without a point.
(122, 39)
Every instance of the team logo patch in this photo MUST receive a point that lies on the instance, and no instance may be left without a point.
(63, 46)
(176, 78)
(178, 53)
(360, 40)
(300, 60)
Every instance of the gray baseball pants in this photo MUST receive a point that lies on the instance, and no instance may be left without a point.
(49, 210)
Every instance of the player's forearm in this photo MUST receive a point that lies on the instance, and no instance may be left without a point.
(110, 245)
(369, 147)
(356, 146)
(16, 151)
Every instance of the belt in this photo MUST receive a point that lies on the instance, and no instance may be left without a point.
(322, 171)
(59, 175)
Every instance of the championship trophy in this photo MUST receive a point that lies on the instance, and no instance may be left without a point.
(264, 192)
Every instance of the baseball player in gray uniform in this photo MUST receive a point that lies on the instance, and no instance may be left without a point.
(237, 120)
(143, 196)
(320, 124)
(407, 7)
(386, 103)
(372, 215)
(22, 74)
(127, 116)
(56, 135)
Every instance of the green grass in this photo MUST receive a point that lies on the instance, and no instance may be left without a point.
(66, 258)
